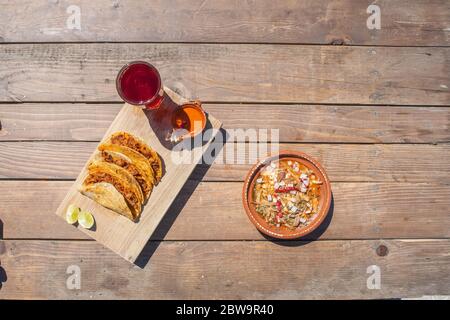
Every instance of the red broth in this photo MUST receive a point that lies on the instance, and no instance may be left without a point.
(139, 83)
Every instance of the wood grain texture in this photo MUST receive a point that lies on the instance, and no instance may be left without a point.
(343, 162)
(276, 58)
(48, 121)
(231, 73)
(360, 211)
(228, 270)
(296, 123)
(403, 22)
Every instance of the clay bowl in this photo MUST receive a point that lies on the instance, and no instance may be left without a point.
(284, 232)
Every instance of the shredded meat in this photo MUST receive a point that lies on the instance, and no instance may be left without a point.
(124, 140)
(105, 177)
(130, 168)
(133, 144)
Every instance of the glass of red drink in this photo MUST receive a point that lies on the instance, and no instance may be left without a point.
(139, 83)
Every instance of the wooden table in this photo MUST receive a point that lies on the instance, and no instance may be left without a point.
(371, 105)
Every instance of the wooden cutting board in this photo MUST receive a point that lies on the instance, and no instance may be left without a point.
(116, 232)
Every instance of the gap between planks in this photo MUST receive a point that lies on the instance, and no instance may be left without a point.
(251, 103)
(225, 43)
(244, 240)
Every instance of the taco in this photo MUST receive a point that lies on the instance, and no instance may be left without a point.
(130, 141)
(132, 161)
(106, 195)
(121, 179)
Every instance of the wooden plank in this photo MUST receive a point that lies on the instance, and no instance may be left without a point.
(343, 162)
(120, 234)
(231, 73)
(48, 121)
(403, 22)
(228, 270)
(296, 123)
(360, 211)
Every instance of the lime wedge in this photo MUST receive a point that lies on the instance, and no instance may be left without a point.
(85, 219)
(72, 214)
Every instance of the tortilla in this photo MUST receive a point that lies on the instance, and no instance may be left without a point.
(130, 141)
(132, 161)
(106, 195)
(121, 179)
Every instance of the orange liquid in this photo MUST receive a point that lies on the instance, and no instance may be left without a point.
(189, 117)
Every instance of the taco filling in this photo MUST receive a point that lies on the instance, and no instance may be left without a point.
(107, 195)
(128, 140)
(122, 174)
(131, 168)
(133, 162)
(131, 197)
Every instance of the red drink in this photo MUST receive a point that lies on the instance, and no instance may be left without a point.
(139, 83)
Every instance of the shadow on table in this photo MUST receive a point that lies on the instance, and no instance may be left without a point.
(160, 120)
(3, 276)
(313, 236)
(182, 198)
